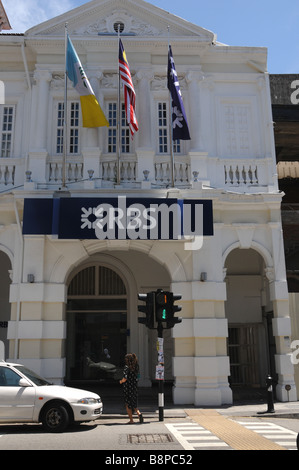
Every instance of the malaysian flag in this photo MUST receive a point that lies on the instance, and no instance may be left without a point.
(179, 120)
(129, 91)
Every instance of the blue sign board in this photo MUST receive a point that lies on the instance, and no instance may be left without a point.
(118, 218)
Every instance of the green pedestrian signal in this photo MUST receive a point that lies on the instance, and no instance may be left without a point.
(159, 308)
(161, 302)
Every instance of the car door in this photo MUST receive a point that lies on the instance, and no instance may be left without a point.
(16, 403)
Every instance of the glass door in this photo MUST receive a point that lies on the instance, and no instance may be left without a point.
(96, 326)
(97, 343)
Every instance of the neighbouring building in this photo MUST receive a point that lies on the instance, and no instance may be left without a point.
(4, 21)
(285, 107)
(68, 299)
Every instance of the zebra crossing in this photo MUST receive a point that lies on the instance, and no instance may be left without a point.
(272, 431)
(192, 436)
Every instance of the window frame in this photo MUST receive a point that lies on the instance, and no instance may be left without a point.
(126, 141)
(164, 140)
(73, 127)
(4, 151)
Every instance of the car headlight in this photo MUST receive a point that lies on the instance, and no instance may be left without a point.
(89, 401)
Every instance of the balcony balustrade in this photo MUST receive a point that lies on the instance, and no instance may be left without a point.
(234, 174)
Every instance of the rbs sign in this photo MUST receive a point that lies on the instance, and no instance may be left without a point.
(120, 218)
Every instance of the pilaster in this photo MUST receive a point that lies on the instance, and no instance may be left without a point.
(201, 364)
(145, 152)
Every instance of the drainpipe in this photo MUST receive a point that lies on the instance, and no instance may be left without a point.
(21, 261)
(30, 91)
(18, 218)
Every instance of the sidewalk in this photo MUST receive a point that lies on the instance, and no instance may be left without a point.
(281, 410)
(151, 410)
(214, 419)
(113, 406)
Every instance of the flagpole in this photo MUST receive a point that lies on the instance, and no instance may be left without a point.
(171, 143)
(118, 114)
(170, 129)
(65, 117)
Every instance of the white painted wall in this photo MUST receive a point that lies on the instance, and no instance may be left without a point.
(227, 100)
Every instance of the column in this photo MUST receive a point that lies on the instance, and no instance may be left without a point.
(91, 138)
(145, 151)
(197, 154)
(43, 78)
(40, 329)
(38, 154)
(193, 78)
(201, 365)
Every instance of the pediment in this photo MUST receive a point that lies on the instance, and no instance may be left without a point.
(139, 18)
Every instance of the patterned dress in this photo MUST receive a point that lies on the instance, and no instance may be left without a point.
(130, 388)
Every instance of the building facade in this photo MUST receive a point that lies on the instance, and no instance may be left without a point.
(285, 100)
(70, 303)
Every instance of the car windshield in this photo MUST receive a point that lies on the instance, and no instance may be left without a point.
(36, 379)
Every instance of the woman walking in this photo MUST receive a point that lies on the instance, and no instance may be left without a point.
(129, 381)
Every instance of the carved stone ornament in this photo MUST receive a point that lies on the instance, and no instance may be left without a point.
(108, 25)
(109, 80)
(160, 82)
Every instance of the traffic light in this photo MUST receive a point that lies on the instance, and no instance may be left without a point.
(171, 319)
(148, 309)
(165, 308)
(162, 305)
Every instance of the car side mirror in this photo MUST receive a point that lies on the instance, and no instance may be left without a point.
(24, 383)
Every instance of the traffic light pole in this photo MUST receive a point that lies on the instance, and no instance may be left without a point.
(160, 308)
(161, 381)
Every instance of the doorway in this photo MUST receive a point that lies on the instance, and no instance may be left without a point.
(243, 349)
(96, 325)
(247, 308)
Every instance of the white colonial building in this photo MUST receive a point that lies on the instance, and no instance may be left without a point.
(71, 301)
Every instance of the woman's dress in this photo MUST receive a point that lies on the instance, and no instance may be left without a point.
(130, 388)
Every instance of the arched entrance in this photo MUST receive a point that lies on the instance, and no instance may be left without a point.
(108, 284)
(96, 324)
(251, 345)
(5, 266)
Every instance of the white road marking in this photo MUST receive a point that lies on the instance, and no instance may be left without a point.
(274, 432)
(188, 435)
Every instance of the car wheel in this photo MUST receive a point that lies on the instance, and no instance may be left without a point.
(55, 417)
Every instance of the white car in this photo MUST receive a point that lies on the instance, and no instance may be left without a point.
(27, 398)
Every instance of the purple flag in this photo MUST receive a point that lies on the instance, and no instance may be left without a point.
(179, 120)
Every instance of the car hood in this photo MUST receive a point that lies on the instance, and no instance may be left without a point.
(68, 393)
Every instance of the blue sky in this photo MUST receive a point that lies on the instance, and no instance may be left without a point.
(269, 23)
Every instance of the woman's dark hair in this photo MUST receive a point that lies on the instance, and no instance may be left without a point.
(132, 362)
